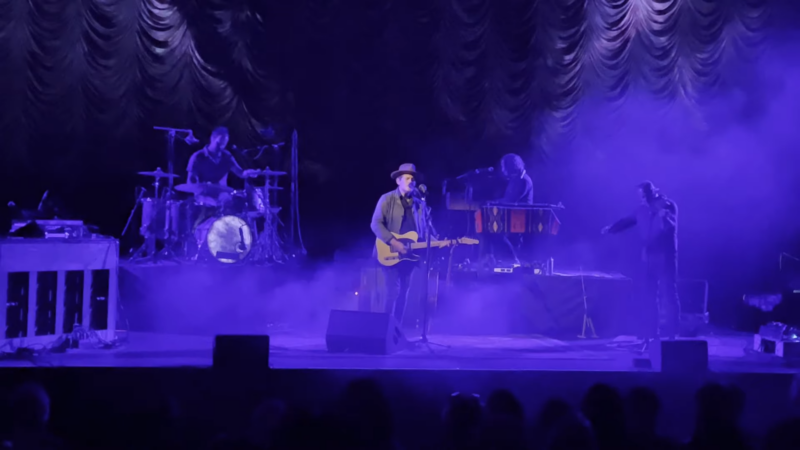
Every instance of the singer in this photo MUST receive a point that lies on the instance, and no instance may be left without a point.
(657, 221)
(400, 211)
(212, 163)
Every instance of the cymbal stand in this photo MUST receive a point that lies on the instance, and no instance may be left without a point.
(151, 236)
(268, 242)
(147, 251)
(170, 239)
(296, 244)
(139, 197)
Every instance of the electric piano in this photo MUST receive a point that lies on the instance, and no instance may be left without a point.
(504, 218)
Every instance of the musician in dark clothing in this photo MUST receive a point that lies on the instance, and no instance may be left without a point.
(519, 191)
(400, 212)
(656, 220)
(212, 163)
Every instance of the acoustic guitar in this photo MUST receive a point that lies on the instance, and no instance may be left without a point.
(389, 257)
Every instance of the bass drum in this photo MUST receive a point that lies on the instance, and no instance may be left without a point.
(227, 239)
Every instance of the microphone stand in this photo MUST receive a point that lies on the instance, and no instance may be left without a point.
(171, 132)
(423, 340)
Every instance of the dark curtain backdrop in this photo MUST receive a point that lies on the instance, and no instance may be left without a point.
(449, 84)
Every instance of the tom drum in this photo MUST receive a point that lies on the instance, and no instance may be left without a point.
(160, 218)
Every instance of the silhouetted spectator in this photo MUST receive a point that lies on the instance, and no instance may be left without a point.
(603, 407)
(463, 418)
(785, 436)
(643, 409)
(300, 430)
(30, 414)
(553, 413)
(571, 432)
(505, 422)
(367, 412)
(266, 419)
(718, 412)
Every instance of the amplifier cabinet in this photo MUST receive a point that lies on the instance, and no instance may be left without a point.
(51, 286)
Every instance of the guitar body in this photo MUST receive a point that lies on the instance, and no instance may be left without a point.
(388, 257)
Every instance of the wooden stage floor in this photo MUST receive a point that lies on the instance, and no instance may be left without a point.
(728, 352)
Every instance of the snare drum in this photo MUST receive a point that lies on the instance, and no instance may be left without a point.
(234, 204)
(228, 239)
(160, 218)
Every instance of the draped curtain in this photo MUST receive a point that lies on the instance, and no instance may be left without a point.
(95, 73)
(526, 66)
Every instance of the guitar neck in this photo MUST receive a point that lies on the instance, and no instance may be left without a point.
(418, 245)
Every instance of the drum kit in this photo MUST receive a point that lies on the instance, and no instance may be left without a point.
(217, 223)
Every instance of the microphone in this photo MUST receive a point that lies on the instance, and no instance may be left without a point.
(475, 172)
(190, 139)
(241, 246)
(421, 191)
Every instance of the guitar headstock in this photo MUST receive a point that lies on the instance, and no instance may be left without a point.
(467, 241)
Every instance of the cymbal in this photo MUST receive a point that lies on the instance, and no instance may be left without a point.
(208, 189)
(269, 173)
(270, 187)
(158, 173)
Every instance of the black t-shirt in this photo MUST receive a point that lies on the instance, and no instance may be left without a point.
(408, 223)
(208, 169)
(519, 190)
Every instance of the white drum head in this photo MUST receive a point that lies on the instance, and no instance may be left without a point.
(228, 238)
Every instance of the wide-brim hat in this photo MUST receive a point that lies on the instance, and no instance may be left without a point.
(404, 169)
(648, 186)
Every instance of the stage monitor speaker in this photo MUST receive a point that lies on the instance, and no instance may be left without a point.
(679, 356)
(364, 332)
(249, 352)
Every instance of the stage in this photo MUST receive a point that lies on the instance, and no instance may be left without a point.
(728, 353)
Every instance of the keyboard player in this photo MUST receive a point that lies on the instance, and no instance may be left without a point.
(519, 191)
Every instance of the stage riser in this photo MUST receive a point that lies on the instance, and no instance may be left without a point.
(534, 304)
(230, 299)
(51, 285)
(496, 304)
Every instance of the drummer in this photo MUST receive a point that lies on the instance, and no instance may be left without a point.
(212, 163)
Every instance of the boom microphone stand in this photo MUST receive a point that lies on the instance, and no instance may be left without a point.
(423, 340)
(171, 133)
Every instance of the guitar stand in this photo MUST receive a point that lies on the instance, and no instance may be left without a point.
(587, 322)
(587, 319)
(423, 341)
(639, 347)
